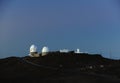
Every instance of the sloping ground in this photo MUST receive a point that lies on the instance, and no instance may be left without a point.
(60, 68)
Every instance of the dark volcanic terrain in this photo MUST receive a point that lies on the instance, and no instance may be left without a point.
(58, 67)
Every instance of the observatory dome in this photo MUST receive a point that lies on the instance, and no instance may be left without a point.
(45, 50)
(33, 48)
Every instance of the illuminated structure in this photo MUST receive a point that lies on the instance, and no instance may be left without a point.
(33, 51)
(77, 51)
(64, 51)
(45, 51)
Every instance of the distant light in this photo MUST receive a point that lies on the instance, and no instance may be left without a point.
(91, 67)
(101, 66)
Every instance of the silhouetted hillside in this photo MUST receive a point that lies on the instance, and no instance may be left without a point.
(60, 68)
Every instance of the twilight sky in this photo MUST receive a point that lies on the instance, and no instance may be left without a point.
(91, 25)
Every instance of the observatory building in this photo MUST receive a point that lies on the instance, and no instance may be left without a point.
(64, 51)
(45, 51)
(77, 51)
(33, 51)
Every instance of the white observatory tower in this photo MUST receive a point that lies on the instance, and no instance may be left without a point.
(77, 51)
(33, 51)
(45, 51)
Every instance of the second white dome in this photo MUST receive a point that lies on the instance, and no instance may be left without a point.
(45, 49)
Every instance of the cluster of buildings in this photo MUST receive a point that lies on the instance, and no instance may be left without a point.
(34, 53)
(45, 51)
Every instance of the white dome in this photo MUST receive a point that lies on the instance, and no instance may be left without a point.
(45, 49)
(33, 48)
(77, 51)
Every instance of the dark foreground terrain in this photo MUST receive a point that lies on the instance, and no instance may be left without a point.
(60, 68)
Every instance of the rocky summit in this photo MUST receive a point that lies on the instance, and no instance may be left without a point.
(58, 67)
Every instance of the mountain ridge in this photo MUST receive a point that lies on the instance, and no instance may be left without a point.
(60, 67)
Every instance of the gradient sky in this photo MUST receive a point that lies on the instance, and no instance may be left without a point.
(91, 25)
